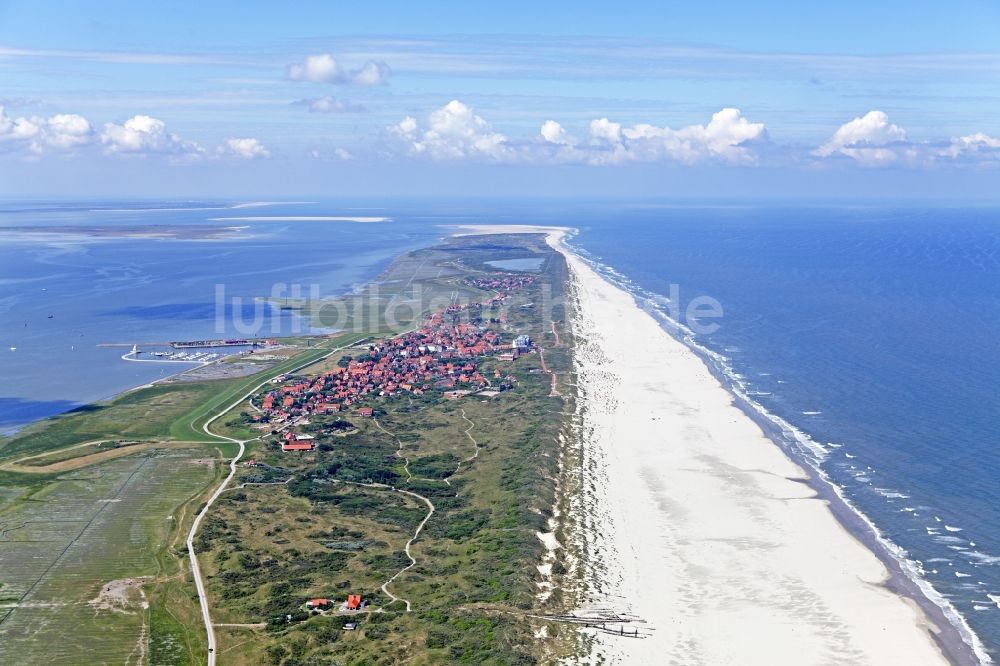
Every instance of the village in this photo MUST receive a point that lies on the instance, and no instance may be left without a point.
(443, 354)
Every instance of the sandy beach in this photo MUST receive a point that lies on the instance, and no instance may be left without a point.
(695, 522)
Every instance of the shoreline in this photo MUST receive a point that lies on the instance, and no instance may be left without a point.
(13, 431)
(957, 640)
(949, 637)
(852, 548)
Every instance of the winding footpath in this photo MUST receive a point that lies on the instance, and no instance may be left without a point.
(195, 568)
(420, 527)
(406, 549)
(425, 500)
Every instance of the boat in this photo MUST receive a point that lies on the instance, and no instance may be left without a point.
(232, 342)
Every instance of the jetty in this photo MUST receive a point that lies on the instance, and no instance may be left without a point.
(194, 344)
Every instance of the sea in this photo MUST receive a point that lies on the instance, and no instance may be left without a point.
(867, 333)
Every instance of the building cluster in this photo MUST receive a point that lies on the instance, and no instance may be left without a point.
(442, 354)
(501, 282)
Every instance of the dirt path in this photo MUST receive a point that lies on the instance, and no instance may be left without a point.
(430, 505)
(416, 533)
(195, 569)
(553, 391)
(399, 451)
(468, 433)
(420, 527)
(413, 560)
(71, 464)
(54, 451)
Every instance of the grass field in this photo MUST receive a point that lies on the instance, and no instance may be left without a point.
(68, 538)
(88, 514)
(488, 464)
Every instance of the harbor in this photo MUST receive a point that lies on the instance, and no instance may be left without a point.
(170, 357)
(197, 344)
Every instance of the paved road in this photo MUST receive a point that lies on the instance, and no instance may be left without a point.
(195, 569)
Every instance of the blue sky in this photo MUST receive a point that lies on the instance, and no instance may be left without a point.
(658, 99)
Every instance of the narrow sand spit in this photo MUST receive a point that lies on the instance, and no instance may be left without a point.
(696, 523)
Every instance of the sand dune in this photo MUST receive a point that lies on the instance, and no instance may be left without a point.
(698, 524)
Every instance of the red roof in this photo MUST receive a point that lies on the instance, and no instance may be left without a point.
(353, 601)
(296, 446)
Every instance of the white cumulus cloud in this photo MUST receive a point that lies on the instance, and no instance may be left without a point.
(324, 68)
(871, 140)
(728, 137)
(603, 129)
(62, 132)
(372, 73)
(245, 149)
(553, 132)
(406, 127)
(978, 147)
(144, 135)
(453, 132)
(316, 69)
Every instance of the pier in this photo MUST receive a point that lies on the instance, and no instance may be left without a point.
(191, 344)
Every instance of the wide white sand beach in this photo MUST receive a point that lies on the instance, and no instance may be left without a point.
(695, 522)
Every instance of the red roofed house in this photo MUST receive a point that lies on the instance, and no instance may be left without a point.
(366, 411)
(353, 601)
(318, 603)
(297, 446)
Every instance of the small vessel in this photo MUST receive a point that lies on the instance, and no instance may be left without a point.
(13, 348)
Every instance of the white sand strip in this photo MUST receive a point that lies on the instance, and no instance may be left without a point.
(700, 525)
(298, 218)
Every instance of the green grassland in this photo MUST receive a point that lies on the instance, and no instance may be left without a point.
(488, 465)
(65, 539)
(266, 548)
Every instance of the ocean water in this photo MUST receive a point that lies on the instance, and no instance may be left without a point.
(65, 292)
(873, 331)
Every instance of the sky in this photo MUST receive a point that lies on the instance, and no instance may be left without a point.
(661, 99)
